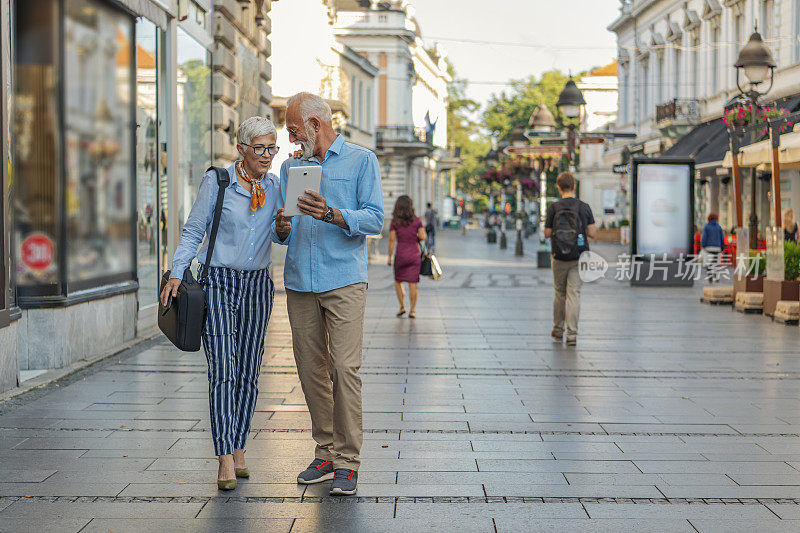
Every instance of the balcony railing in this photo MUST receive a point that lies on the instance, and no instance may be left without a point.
(677, 109)
(403, 134)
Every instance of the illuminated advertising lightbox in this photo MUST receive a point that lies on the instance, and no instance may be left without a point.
(663, 198)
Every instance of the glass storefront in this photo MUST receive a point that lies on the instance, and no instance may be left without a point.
(36, 145)
(73, 147)
(97, 140)
(194, 118)
(147, 160)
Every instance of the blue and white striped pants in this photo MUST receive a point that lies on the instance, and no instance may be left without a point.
(239, 304)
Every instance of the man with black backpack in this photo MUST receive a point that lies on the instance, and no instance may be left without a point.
(569, 224)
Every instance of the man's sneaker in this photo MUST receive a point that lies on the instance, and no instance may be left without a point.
(558, 337)
(344, 482)
(572, 341)
(317, 472)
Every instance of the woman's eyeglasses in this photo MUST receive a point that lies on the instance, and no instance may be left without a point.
(261, 150)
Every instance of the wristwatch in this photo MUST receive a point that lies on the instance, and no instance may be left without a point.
(329, 216)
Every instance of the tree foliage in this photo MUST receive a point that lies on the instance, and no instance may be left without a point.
(466, 135)
(513, 108)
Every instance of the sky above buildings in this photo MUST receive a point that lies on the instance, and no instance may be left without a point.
(492, 42)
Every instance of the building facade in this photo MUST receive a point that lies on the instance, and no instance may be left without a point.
(115, 111)
(676, 75)
(599, 186)
(411, 114)
(323, 66)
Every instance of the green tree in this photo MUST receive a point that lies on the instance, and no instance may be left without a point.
(466, 135)
(513, 108)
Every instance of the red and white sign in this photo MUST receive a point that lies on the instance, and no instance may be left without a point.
(37, 251)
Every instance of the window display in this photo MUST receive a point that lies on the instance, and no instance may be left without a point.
(147, 96)
(97, 141)
(194, 118)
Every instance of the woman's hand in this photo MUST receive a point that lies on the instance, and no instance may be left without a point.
(170, 289)
(283, 225)
(389, 261)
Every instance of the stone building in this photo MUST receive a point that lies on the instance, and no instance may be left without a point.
(411, 115)
(107, 134)
(676, 75)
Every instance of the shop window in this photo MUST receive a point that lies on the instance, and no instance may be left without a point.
(194, 117)
(36, 138)
(97, 141)
(73, 149)
(147, 160)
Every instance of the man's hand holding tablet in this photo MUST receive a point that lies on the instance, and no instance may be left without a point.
(300, 183)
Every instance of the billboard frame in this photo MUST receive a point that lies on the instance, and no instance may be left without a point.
(664, 160)
(673, 276)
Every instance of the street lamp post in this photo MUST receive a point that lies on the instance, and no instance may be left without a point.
(518, 246)
(542, 121)
(503, 240)
(755, 59)
(517, 138)
(570, 102)
(491, 235)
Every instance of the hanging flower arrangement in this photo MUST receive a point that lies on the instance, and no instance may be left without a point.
(530, 186)
(737, 117)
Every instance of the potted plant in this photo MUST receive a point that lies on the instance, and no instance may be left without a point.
(607, 233)
(750, 278)
(787, 288)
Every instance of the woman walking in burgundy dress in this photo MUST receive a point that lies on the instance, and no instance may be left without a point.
(406, 232)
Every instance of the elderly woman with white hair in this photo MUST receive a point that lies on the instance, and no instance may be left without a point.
(238, 289)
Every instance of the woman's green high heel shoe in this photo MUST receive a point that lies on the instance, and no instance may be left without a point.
(226, 484)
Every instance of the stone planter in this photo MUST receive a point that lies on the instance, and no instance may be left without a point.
(747, 284)
(607, 235)
(776, 290)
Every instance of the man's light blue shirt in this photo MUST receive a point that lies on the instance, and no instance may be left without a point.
(321, 256)
(244, 237)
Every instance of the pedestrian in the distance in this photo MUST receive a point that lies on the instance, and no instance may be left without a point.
(789, 226)
(238, 290)
(326, 284)
(464, 221)
(431, 222)
(712, 242)
(569, 224)
(406, 232)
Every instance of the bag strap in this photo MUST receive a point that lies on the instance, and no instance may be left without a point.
(223, 180)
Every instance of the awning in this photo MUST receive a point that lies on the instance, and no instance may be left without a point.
(760, 153)
(708, 142)
(691, 144)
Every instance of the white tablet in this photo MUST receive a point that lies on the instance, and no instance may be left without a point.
(299, 180)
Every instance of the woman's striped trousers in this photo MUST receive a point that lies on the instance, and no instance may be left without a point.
(239, 304)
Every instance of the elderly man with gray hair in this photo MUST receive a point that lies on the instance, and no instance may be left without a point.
(326, 284)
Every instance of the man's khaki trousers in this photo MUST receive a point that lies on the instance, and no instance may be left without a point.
(567, 282)
(327, 334)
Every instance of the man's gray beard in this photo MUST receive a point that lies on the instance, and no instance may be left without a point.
(308, 145)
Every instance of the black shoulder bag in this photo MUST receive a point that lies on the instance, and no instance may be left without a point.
(183, 318)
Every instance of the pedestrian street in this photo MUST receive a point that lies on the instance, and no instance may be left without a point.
(668, 415)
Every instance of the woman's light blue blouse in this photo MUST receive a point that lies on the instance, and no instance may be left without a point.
(244, 237)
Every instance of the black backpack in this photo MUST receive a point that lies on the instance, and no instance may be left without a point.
(566, 228)
(183, 318)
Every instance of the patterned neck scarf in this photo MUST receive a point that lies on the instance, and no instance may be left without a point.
(257, 196)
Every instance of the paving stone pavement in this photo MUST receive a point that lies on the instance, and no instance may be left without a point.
(668, 416)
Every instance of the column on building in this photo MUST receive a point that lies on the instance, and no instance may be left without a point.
(242, 70)
(9, 312)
